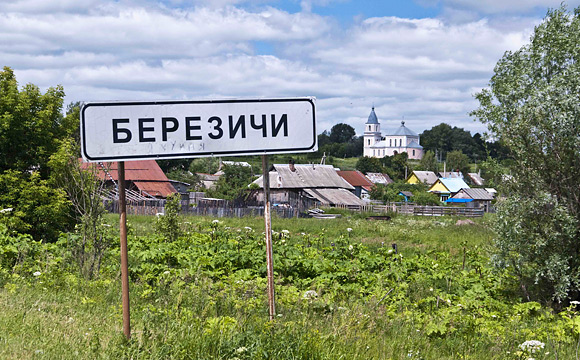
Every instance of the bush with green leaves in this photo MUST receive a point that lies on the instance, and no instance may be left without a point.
(537, 240)
(167, 224)
(533, 108)
(31, 205)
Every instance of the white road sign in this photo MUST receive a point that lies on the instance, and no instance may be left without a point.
(119, 131)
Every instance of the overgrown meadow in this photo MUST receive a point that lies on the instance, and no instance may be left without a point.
(343, 291)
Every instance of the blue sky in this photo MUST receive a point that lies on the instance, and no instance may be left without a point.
(422, 60)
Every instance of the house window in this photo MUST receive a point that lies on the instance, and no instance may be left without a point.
(390, 142)
(400, 142)
(369, 141)
(383, 152)
(369, 128)
(413, 152)
(374, 153)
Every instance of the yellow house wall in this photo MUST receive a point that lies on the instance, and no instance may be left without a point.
(438, 186)
(412, 179)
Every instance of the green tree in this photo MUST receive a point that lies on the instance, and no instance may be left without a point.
(233, 183)
(367, 164)
(31, 123)
(458, 161)
(532, 106)
(36, 206)
(397, 166)
(341, 133)
(206, 165)
(429, 162)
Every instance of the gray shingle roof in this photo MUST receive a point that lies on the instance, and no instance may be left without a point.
(477, 194)
(305, 176)
(373, 117)
(427, 177)
(404, 131)
(414, 145)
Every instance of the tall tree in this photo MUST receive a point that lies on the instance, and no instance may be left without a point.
(30, 124)
(342, 133)
(458, 161)
(532, 106)
(429, 162)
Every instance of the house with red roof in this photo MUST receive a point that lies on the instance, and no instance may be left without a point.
(362, 185)
(144, 179)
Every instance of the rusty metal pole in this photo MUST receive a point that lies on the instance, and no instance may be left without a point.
(268, 223)
(124, 260)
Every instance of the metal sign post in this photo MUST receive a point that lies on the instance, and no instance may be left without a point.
(268, 228)
(124, 260)
(138, 130)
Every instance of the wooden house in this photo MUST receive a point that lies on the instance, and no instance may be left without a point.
(144, 179)
(447, 187)
(479, 198)
(379, 178)
(422, 177)
(307, 185)
(362, 185)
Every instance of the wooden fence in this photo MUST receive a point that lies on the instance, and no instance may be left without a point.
(412, 209)
(158, 207)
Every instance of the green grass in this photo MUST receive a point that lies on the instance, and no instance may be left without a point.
(204, 296)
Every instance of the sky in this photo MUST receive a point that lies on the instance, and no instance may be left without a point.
(420, 61)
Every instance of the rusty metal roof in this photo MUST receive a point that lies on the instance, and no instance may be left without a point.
(356, 178)
(145, 174)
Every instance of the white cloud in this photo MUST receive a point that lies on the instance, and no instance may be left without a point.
(500, 6)
(425, 70)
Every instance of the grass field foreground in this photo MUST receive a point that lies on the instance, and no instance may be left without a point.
(342, 292)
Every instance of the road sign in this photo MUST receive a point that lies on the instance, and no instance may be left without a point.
(118, 131)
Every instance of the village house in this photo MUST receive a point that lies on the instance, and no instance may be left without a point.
(476, 198)
(362, 185)
(379, 178)
(144, 179)
(422, 177)
(447, 187)
(401, 140)
(307, 185)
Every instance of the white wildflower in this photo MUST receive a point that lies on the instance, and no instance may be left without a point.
(349, 229)
(430, 289)
(159, 214)
(390, 251)
(286, 232)
(310, 294)
(248, 228)
(166, 272)
(37, 273)
(216, 221)
(350, 248)
(531, 346)
(241, 349)
(303, 234)
(574, 302)
(6, 210)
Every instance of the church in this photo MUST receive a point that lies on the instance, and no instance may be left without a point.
(401, 140)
